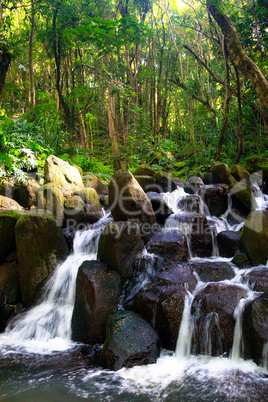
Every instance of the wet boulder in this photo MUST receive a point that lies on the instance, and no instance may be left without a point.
(254, 237)
(128, 201)
(221, 174)
(213, 314)
(130, 341)
(197, 229)
(256, 278)
(97, 295)
(190, 203)
(145, 170)
(82, 210)
(119, 246)
(165, 182)
(51, 200)
(8, 220)
(147, 183)
(180, 275)
(171, 244)
(242, 198)
(239, 172)
(64, 176)
(241, 261)
(212, 271)
(168, 318)
(40, 247)
(193, 184)
(7, 204)
(255, 328)
(160, 207)
(25, 193)
(216, 199)
(228, 243)
(99, 185)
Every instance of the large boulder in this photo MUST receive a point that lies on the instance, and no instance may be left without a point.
(8, 220)
(256, 278)
(193, 184)
(213, 313)
(64, 176)
(127, 199)
(179, 275)
(50, 199)
(255, 328)
(97, 294)
(242, 198)
(145, 170)
(228, 243)
(6, 188)
(197, 229)
(258, 163)
(25, 193)
(80, 210)
(95, 182)
(160, 207)
(212, 271)
(7, 204)
(239, 172)
(130, 341)
(165, 182)
(241, 261)
(221, 174)
(171, 244)
(254, 237)
(168, 318)
(216, 199)
(119, 246)
(40, 247)
(190, 203)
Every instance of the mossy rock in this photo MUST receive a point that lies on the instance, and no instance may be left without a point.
(89, 196)
(7, 204)
(64, 176)
(9, 284)
(165, 182)
(239, 172)
(26, 193)
(80, 170)
(195, 173)
(254, 237)
(8, 220)
(144, 170)
(6, 188)
(258, 163)
(221, 174)
(50, 199)
(242, 198)
(130, 341)
(40, 247)
(78, 211)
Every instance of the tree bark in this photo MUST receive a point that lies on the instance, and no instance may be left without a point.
(5, 59)
(238, 55)
(31, 71)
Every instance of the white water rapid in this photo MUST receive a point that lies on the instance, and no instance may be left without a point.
(47, 326)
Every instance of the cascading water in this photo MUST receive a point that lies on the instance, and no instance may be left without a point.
(48, 325)
(183, 347)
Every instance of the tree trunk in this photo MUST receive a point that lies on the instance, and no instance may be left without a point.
(238, 55)
(5, 59)
(116, 152)
(31, 71)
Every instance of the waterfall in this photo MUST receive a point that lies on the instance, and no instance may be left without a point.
(172, 199)
(51, 318)
(265, 356)
(183, 347)
(237, 347)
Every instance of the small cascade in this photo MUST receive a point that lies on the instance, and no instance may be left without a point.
(212, 333)
(172, 199)
(51, 318)
(237, 349)
(265, 356)
(183, 348)
(173, 223)
(146, 267)
(260, 198)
